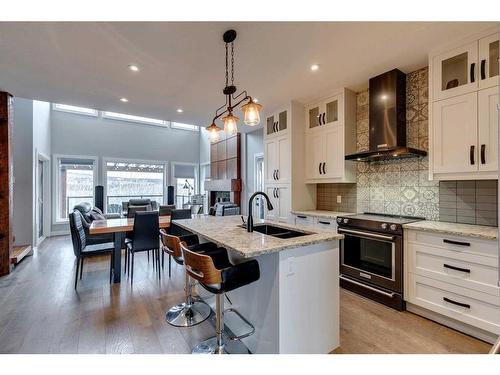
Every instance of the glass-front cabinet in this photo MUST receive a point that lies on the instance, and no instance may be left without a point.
(327, 112)
(488, 61)
(277, 122)
(455, 72)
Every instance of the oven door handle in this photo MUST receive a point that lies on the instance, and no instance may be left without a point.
(367, 235)
(390, 295)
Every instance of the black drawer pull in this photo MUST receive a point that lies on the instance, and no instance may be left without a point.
(472, 72)
(456, 242)
(301, 217)
(324, 122)
(319, 167)
(456, 268)
(472, 149)
(324, 165)
(483, 154)
(483, 70)
(324, 222)
(466, 305)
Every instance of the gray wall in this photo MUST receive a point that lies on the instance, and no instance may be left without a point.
(74, 134)
(253, 144)
(22, 150)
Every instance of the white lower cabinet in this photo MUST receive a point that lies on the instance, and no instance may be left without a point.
(455, 276)
(312, 222)
(280, 199)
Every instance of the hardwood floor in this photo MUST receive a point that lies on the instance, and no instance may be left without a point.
(41, 313)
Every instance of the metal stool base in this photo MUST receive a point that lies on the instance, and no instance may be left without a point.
(230, 347)
(183, 315)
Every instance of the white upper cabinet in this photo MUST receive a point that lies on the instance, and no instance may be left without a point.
(277, 123)
(277, 163)
(488, 100)
(463, 125)
(488, 61)
(327, 112)
(455, 72)
(455, 134)
(330, 131)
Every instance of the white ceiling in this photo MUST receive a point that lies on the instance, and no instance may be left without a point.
(182, 63)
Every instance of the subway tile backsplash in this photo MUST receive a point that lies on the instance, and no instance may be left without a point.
(402, 187)
(469, 202)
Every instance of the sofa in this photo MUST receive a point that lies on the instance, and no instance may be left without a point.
(89, 214)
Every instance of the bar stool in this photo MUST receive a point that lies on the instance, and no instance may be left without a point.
(218, 275)
(190, 312)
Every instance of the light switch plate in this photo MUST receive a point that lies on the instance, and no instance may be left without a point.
(339, 198)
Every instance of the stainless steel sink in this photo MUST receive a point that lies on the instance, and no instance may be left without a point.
(278, 232)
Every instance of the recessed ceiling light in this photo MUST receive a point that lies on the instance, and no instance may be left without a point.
(124, 100)
(314, 67)
(180, 110)
(133, 68)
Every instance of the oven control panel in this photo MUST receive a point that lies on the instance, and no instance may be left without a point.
(378, 226)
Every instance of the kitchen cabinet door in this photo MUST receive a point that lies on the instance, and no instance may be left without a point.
(270, 125)
(284, 202)
(270, 162)
(282, 121)
(313, 116)
(455, 134)
(488, 129)
(333, 110)
(455, 72)
(488, 61)
(315, 147)
(271, 193)
(333, 141)
(283, 159)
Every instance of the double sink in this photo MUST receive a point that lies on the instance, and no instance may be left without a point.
(278, 232)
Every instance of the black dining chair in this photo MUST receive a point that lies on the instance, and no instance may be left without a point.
(82, 250)
(146, 237)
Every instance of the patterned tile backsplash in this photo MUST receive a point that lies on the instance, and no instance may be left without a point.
(399, 187)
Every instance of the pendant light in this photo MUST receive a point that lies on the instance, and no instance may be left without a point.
(251, 110)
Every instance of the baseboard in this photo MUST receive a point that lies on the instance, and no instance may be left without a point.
(452, 323)
(59, 233)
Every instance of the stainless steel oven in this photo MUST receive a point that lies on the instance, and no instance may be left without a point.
(371, 256)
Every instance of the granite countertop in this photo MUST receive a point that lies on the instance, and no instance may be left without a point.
(226, 231)
(323, 213)
(468, 230)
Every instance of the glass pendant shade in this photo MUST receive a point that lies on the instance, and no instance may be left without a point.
(213, 132)
(252, 115)
(230, 124)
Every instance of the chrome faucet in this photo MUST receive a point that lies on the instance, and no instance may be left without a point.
(250, 205)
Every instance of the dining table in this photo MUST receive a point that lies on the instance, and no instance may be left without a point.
(118, 227)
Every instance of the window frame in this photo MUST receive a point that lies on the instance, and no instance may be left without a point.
(56, 107)
(109, 115)
(104, 169)
(56, 179)
(195, 128)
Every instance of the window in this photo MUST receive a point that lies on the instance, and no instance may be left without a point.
(180, 125)
(75, 109)
(128, 180)
(186, 184)
(75, 184)
(132, 118)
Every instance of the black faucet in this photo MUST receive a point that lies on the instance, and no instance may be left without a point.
(250, 201)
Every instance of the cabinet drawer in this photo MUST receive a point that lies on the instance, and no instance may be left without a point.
(468, 306)
(471, 271)
(304, 221)
(460, 244)
(322, 223)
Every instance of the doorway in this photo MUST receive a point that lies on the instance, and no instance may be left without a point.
(42, 206)
(259, 185)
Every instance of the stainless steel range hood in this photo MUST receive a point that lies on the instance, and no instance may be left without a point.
(387, 120)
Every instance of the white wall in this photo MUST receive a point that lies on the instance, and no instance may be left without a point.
(73, 134)
(22, 151)
(253, 145)
(204, 147)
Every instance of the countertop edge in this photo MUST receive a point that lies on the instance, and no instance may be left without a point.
(322, 213)
(421, 225)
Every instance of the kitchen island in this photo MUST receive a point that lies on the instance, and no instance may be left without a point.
(294, 306)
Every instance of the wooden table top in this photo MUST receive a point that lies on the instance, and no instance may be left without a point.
(120, 225)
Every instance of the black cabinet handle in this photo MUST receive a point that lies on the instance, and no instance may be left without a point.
(319, 119)
(324, 165)
(483, 154)
(466, 305)
(277, 174)
(324, 222)
(472, 72)
(319, 167)
(277, 192)
(324, 122)
(278, 126)
(483, 69)
(456, 268)
(472, 149)
(456, 242)
(301, 217)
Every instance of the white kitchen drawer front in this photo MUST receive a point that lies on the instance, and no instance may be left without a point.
(461, 244)
(304, 221)
(475, 308)
(471, 271)
(327, 224)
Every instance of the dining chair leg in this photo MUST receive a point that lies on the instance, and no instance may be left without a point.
(81, 268)
(132, 272)
(158, 263)
(111, 266)
(148, 256)
(77, 269)
(126, 256)
(169, 265)
(162, 259)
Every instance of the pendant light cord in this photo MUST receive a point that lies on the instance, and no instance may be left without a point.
(227, 79)
(232, 64)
